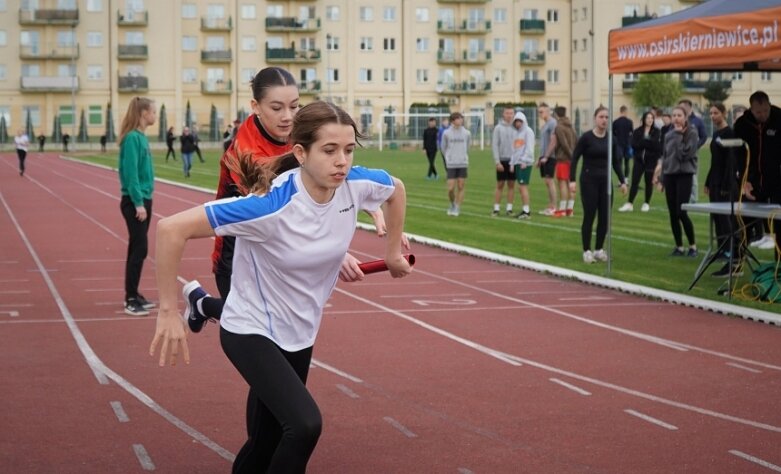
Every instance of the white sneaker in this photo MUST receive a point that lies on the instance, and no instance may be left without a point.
(456, 211)
(627, 207)
(451, 210)
(768, 242)
(600, 255)
(548, 211)
(645, 207)
(759, 243)
(588, 257)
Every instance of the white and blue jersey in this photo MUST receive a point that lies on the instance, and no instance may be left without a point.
(289, 250)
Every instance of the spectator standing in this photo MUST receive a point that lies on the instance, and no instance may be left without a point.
(522, 161)
(196, 142)
(547, 163)
(187, 142)
(442, 127)
(564, 140)
(41, 142)
(65, 140)
(22, 142)
(455, 148)
(622, 134)
(430, 147)
(103, 143)
(503, 148)
(647, 145)
(699, 125)
(170, 138)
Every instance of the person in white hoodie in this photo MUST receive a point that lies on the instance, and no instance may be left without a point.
(522, 160)
(455, 149)
(502, 147)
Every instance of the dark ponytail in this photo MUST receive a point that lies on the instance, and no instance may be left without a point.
(270, 77)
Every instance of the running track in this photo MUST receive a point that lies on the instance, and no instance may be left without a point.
(467, 366)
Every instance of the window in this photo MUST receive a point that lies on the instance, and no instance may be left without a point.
(366, 13)
(553, 45)
(389, 74)
(94, 72)
(631, 9)
(584, 73)
(574, 15)
(94, 39)
(574, 75)
(421, 45)
(530, 14)
(585, 44)
(765, 76)
(389, 44)
(94, 5)
(3, 72)
(500, 15)
(553, 15)
(66, 70)
(189, 75)
(364, 75)
(531, 46)
(553, 76)
(35, 114)
(446, 76)
(189, 11)
(421, 14)
(66, 115)
(585, 13)
(737, 76)
(3, 6)
(189, 43)
(66, 38)
(249, 43)
(274, 42)
(246, 75)
(274, 11)
(421, 75)
(500, 45)
(215, 43)
(31, 70)
(308, 44)
(631, 76)
(500, 76)
(574, 45)
(530, 75)
(332, 43)
(95, 115)
(332, 75)
(248, 12)
(367, 43)
(134, 38)
(332, 13)
(389, 14)
(215, 10)
(665, 10)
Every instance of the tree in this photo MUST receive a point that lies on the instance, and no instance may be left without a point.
(3, 130)
(28, 128)
(716, 91)
(659, 90)
(83, 133)
(188, 117)
(214, 130)
(56, 130)
(163, 127)
(110, 135)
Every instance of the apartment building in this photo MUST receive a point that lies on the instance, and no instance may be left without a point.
(64, 58)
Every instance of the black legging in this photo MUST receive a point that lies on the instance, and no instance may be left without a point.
(21, 154)
(137, 244)
(432, 170)
(646, 170)
(170, 151)
(677, 190)
(593, 195)
(283, 420)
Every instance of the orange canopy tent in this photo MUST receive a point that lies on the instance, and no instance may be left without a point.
(717, 35)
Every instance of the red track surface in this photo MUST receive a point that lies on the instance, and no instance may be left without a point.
(466, 366)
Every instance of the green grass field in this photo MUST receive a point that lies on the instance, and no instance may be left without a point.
(641, 241)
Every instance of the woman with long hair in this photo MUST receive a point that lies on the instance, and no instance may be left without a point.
(593, 147)
(647, 146)
(290, 243)
(674, 175)
(136, 176)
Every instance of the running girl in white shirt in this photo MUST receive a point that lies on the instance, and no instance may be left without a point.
(289, 249)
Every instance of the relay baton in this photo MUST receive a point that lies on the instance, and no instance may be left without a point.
(380, 265)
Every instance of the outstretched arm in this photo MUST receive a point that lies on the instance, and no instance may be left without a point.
(395, 210)
(173, 232)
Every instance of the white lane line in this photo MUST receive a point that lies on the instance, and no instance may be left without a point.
(588, 298)
(14, 292)
(120, 412)
(435, 295)
(755, 460)
(99, 369)
(517, 280)
(143, 457)
(15, 280)
(334, 370)
(346, 390)
(651, 420)
(570, 386)
(400, 427)
(463, 470)
(743, 367)
(16, 305)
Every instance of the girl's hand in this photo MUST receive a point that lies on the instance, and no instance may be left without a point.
(379, 222)
(623, 188)
(171, 337)
(398, 266)
(350, 271)
(141, 213)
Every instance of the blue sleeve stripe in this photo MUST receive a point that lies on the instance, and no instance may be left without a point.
(376, 175)
(231, 211)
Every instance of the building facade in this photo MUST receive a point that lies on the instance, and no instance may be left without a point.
(65, 58)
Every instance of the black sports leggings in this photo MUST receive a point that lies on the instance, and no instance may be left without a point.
(137, 244)
(641, 169)
(432, 156)
(283, 421)
(678, 190)
(593, 195)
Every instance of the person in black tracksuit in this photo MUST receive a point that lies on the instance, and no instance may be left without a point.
(169, 141)
(647, 146)
(674, 174)
(430, 146)
(593, 147)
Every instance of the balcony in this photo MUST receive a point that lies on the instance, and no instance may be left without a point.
(467, 57)
(533, 27)
(292, 24)
(698, 86)
(634, 19)
(292, 55)
(312, 87)
(216, 56)
(468, 27)
(532, 58)
(467, 88)
(218, 87)
(216, 24)
(132, 18)
(50, 84)
(55, 51)
(132, 51)
(49, 17)
(133, 84)
(532, 86)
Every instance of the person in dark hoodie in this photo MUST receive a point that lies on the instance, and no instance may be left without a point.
(430, 147)
(760, 128)
(647, 143)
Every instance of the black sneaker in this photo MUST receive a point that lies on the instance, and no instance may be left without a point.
(524, 216)
(495, 213)
(193, 292)
(509, 213)
(134, 308)
(723, 272)
(692, 253)
(677, 252)
(145, 302)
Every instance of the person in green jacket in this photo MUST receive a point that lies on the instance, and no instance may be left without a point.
(136, 177)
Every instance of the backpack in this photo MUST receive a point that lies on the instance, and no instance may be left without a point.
(765, 285)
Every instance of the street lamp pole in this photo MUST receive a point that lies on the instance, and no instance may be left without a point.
(328, 66)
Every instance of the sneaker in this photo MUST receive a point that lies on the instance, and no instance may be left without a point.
(451, 211)
(600, 255)
(549, 211)
(193, 292)
(560, 213)
(723, 272)
(133, 308)
(760, 242)
(524, 216)
(627, 207)
(645, 207)
(692, 253)
(768, 244)
(456, 211)
(677, 252)
(494, 213)
(508, 213)
(570, 212)
(588, 257)
(145, 303)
